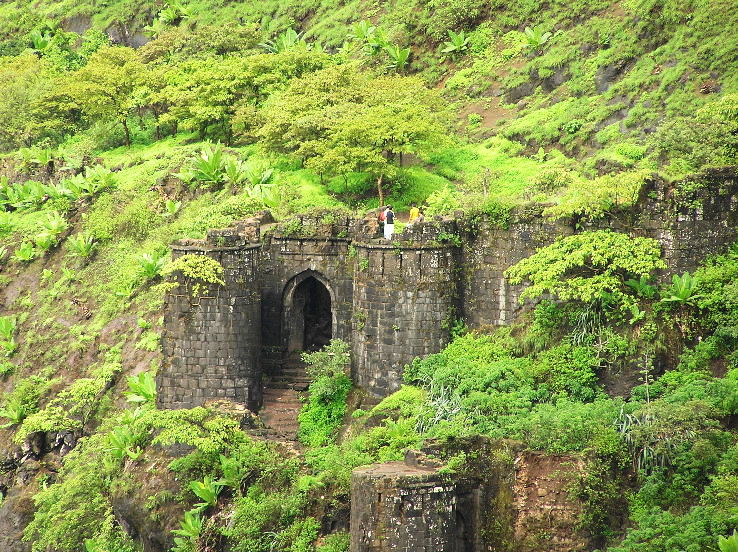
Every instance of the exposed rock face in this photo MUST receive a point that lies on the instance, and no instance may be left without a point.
(609, 74)
(393, 301)
(545, 513)
(519, 505)
(16, 512)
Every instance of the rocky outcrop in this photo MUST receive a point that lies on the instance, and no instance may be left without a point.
(504, 499)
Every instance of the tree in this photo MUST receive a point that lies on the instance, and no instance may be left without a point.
(21, 82)
(106, 87)
(587, 267)
(205, 93)
(340, 120)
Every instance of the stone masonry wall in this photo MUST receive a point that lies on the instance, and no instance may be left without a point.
(212, 340)
(398, 508)
(489, 250)
(504, 498)
(285, 259)
(395, 301)
(404, 301)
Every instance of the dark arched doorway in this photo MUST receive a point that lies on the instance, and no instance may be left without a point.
(311, 326)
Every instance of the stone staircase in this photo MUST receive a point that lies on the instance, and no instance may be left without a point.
(291, 376)
(281, 400)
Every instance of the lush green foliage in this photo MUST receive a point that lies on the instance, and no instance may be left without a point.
(314, 104)
(325, 408)
(587, 267)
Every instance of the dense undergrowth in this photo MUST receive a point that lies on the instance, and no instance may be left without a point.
(110, 153)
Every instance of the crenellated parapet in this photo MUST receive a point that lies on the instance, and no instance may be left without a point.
(291, 286)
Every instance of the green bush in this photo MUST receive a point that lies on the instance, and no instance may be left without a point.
(451, 14)
(587, 267)
(24, 399)
(335, 542)
(323, 413)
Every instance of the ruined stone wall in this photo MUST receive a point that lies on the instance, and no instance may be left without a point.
(212, 339)
(398, 508)
(503, 498)
(693, 219)
(395, 301)
(405, 298)
(489, 250)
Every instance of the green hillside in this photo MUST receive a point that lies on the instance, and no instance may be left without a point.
(126, 125)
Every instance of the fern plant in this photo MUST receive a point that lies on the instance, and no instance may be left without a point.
(536, 38)
(45, 241)
(7, 326)
(190, 526)
(151, 264)
(398, 57)
(171, 208)
(97, 179)
(16, 410)
(362, 31)
(642, 287)
(54, 223)
(456, 43)
(285, 41)
(207, 169)
(206, 490)
(25, 252)
(682, 290)
(141, 389)
(40, 40)
(81, 245)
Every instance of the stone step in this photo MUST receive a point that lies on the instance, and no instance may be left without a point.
(288, 376)
(279, 411)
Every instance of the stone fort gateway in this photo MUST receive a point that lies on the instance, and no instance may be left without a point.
(294, 288)
(291, 288)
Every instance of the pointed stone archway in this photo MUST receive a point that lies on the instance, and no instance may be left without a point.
(308, 321)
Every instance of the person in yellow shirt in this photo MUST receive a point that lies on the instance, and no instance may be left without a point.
(414, 213)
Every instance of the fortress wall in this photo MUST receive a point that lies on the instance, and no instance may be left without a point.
(396, 301)
(405, 298)
(212, 339)
(489, 250)
(695, 219)
(399, 508)
(286, 258)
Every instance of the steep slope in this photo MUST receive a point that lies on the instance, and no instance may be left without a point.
(227, 112)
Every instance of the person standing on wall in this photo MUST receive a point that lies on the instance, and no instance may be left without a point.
(414, 213)
(389, 222)
(380, 217)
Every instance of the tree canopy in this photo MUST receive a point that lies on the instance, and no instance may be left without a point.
(340, 120)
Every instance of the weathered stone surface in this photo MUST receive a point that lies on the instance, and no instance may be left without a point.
(16, 511)
(504, 498)
(393, 301)
(396, 507)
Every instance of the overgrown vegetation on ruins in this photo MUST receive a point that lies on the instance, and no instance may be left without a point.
(109, 153)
